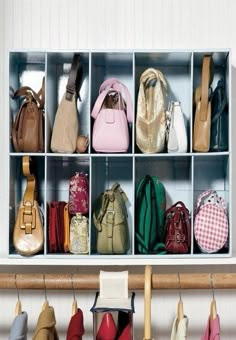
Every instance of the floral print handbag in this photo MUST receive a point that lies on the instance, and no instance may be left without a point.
(79, 194)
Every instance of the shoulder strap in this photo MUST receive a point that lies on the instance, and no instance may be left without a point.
(75, 71)
(119, 87)
(39, 97)
(107, 196)
(29, 195)
(207, 76)
(29, 214)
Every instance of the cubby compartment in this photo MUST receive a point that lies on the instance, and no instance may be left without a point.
(58, 68)
(59, 171)
(173, 172)
(213, 173)
(25, 69)
(106, 65)
(176, 69)
(17, 187)
(105, 172)
(221, 71)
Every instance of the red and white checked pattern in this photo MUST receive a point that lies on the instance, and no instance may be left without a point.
(211, 228)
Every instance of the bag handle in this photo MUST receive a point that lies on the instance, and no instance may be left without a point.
(29, 197)
(74, 75)
(100, 100)
(115, 84)
(207, 77)
(26, 90)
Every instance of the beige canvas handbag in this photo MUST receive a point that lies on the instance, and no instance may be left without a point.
(66, 124)
(110, 220)
(151, 125)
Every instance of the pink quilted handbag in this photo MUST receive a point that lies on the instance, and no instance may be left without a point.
(79, 194)
(211, 222)
(112, 111)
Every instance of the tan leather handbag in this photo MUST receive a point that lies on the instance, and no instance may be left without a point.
(28, 126)
(28, 235)
(202, 119)
(110, 220)
(66, 124)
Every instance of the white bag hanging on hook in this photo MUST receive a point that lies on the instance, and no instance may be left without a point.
(177, 136)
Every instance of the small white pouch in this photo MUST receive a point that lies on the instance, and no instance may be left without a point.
(177, 133)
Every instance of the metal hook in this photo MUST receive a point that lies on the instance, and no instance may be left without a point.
(73, 289)
(17, 290)
(45, 288)
(212, 286)
(179, 287)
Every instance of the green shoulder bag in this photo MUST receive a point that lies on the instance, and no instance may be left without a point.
(150, 216)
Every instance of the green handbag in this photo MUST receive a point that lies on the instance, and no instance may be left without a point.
(150, 216)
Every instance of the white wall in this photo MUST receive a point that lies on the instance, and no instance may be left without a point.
(113, 24)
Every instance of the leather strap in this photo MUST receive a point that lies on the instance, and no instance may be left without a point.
(66, 229)
(106, 87)
(29, 196)
(39, 97)
(207, 75)
(75, 72)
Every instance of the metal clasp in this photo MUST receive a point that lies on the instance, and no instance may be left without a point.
(29, 222)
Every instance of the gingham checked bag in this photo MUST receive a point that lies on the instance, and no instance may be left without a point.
(211, 225)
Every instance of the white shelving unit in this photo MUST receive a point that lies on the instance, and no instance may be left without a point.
(183, 175)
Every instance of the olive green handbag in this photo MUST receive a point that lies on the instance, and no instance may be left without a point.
(110, 220)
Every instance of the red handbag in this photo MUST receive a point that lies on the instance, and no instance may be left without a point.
(79, 194)
(56, 227)
(178, 235)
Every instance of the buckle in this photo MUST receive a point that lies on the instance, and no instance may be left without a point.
(108, 214)
(27, 210)
(69, 93)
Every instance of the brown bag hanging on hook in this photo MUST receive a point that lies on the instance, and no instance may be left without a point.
(28, 230)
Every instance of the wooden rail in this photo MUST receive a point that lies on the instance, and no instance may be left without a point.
(136, 281)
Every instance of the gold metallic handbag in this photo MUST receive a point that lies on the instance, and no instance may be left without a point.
(79, 239)
(110, 220)
(28, 235)
(151, 125)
